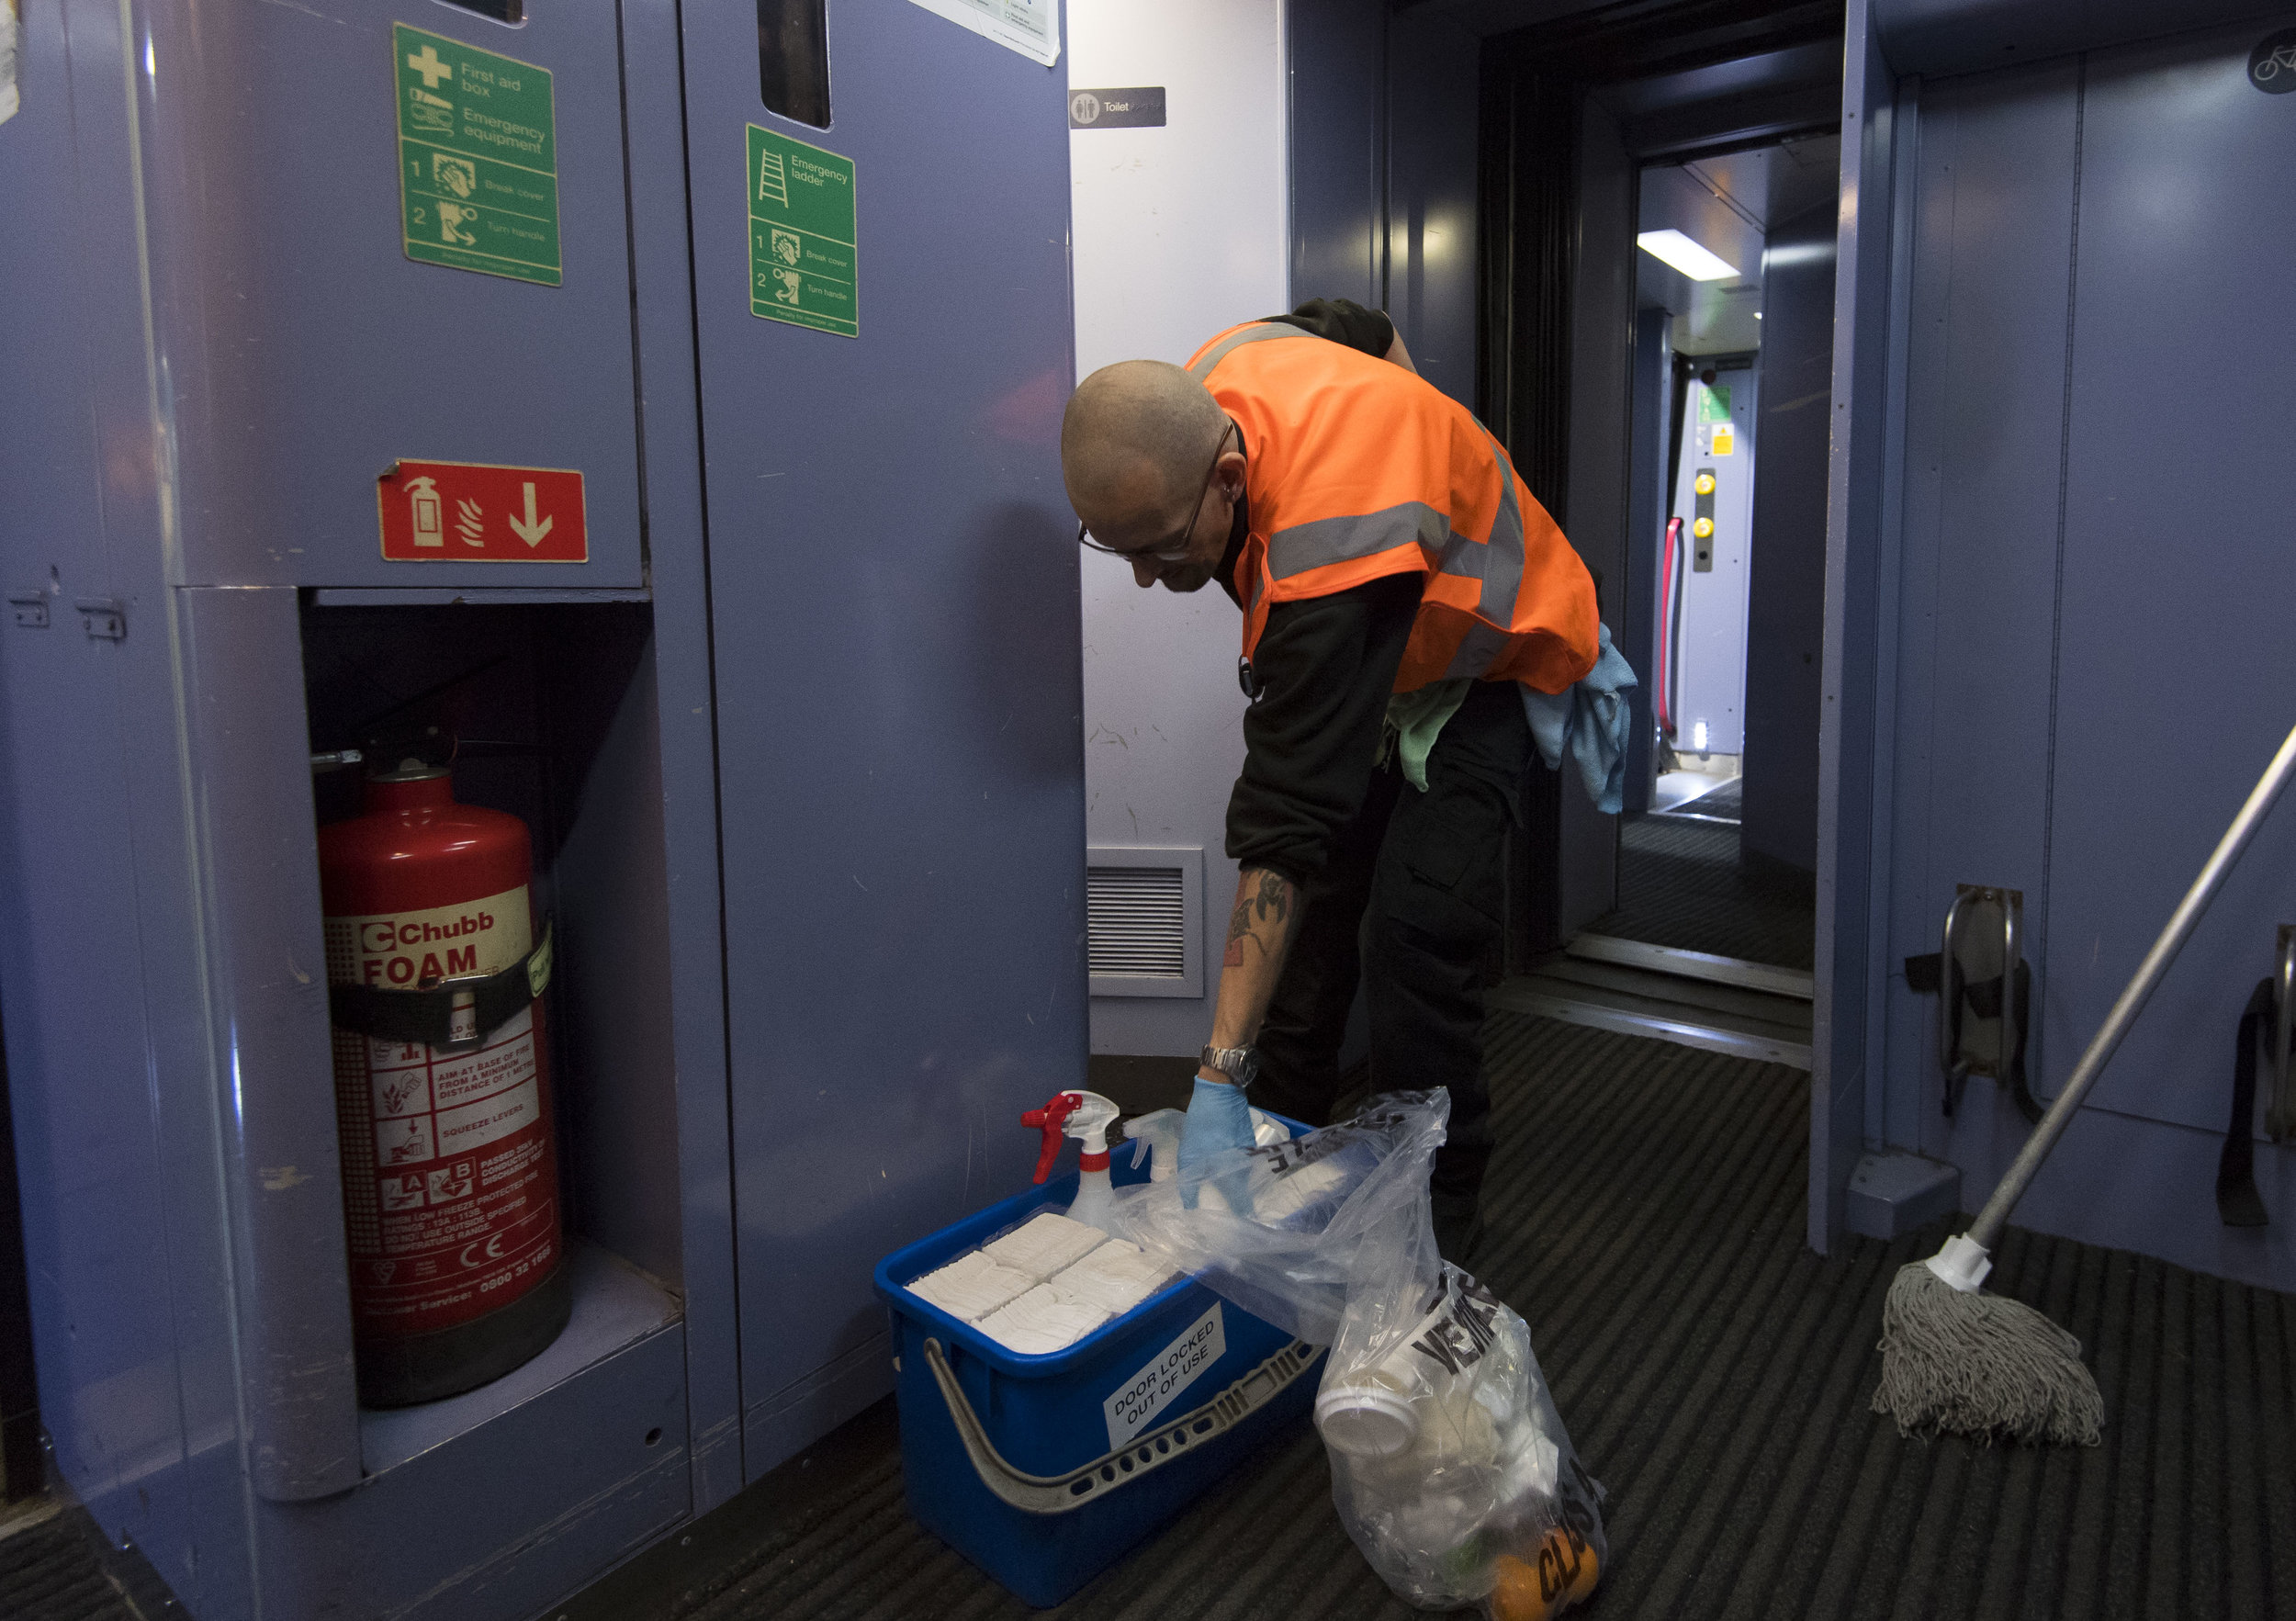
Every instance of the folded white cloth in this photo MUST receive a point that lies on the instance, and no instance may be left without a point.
(1042, 1246)
(971, 1287)
(1042, 1320)
(1114, 1277)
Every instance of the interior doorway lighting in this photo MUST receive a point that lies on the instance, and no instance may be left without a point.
(1699, 263)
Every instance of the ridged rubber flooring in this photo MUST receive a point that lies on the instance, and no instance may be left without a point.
(1679, 885)
(1646, 1218)
(1646, 1210)
(48, 1573)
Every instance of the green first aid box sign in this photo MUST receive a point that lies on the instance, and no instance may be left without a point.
(477, 159)
(801, 235)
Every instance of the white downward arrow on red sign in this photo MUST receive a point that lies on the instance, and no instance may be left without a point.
(531, 531)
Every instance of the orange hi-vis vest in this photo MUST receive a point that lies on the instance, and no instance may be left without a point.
(1355, 469)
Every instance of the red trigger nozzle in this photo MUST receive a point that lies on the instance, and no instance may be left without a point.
(1051, 1120)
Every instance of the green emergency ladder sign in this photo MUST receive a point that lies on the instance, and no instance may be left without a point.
(802, 235)
(477, 159)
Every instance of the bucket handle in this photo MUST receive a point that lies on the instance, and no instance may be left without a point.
(1060, 1494)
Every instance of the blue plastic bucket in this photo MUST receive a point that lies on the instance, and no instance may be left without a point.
(1042, 1470)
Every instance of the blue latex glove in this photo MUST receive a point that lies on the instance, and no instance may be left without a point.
(1217, 1119)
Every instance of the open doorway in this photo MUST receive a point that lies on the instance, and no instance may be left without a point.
(1734, 293)
(1681, 183)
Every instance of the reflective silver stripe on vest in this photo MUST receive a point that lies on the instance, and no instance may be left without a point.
(1257, 334)
(1478, 651)
(1322, 541)
(1499, 562)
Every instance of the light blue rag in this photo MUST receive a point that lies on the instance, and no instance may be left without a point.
(1591, 722)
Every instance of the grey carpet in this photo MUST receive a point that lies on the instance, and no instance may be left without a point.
(1679, 885)
(1646, 1218)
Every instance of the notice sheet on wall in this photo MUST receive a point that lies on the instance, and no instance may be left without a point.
(11, 38)
(1030, 27)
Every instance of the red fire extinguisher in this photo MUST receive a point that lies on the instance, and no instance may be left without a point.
(450, 1181)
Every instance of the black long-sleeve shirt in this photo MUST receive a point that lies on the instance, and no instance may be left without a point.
(1326, 668)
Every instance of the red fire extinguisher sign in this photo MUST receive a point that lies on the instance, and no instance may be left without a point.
(473, 513)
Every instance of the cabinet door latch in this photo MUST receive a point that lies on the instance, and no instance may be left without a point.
(103, 618)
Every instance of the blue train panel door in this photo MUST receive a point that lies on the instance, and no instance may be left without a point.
(881, 276)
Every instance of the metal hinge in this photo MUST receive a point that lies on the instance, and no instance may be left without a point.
(31, 609)
(103, 618)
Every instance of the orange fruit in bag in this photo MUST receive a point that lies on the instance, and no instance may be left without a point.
(1564, 1573)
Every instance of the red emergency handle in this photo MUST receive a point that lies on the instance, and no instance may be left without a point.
(1051, 1120)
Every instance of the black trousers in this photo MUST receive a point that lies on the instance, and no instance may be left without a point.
(1410, 907)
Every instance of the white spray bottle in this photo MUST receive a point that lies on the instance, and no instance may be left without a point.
(1085, 1115)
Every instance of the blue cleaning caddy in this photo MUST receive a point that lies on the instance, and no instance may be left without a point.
(1042, 1470)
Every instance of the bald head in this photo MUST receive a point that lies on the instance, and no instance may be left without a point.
(1134, 445)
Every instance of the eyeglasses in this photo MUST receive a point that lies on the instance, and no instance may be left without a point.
(1175, 549)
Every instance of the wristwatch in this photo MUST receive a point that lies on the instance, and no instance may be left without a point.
(1238, 1063)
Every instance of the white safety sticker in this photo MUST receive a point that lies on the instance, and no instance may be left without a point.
(1147, 1393)
(11, 58)
(1030, 27)
(475, 1125)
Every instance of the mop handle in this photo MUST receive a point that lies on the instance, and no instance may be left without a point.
(1986, 1230)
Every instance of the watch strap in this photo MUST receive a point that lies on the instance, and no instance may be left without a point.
(1240, 1065)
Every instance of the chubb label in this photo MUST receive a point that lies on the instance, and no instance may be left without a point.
(400, 950)
(1141, 1398)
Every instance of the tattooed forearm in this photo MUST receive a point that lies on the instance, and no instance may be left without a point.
(1266, 908)
(1239, 931)
(1262, 911)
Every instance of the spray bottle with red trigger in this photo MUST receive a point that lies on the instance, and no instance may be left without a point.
(1085, 1115)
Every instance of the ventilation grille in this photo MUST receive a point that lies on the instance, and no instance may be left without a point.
(1136, 917)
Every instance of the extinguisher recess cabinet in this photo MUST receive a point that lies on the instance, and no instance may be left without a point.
(393, 275)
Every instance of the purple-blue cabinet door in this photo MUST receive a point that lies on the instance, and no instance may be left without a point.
(894, 602)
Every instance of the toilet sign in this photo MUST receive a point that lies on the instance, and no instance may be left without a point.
(473, 513)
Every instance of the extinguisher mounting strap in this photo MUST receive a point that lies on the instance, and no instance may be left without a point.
(426, 1013)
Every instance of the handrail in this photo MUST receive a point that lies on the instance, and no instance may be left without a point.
(2279, 1114)
(1949, 1056)
(2006, 1063)
(1951, 985)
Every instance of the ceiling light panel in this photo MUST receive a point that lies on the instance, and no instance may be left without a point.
(1698, 262)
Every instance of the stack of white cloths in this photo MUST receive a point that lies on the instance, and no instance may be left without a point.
(1045, 1285)
(1047, 1319)
(971, 1285)
(1044, 1245)
(1116, 1277)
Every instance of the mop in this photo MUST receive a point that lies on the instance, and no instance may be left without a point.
(1957, 1361)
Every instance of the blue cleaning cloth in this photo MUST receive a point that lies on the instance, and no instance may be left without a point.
(1591, 722)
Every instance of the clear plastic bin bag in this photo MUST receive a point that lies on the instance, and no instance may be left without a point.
(1450, 1466)
(1281, 1228)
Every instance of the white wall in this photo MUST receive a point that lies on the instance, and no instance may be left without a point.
(1179, 233)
